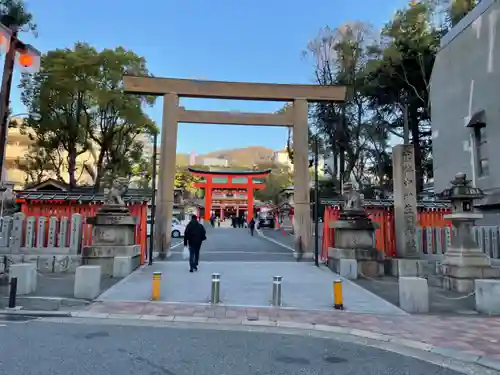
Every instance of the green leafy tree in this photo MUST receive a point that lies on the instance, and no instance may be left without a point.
(61, 93)
(142, 174)
(458, 9)
(185, 180)
(118, 119)
(398, 76)
(279, 179)
(15, 13)
(79, 95)
(37, 165)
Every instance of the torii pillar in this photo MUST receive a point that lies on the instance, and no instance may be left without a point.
(303, 227)
(165, 201)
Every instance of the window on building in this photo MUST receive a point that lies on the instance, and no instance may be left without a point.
(481, 151)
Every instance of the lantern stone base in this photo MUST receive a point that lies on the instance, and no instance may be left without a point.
(410, 267)
(355, 239)
(112, 236)
(462, 278)
(462, 266)
(466, 257)
(369, 261)
(104, 256)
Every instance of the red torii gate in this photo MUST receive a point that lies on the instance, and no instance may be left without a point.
(249, 186)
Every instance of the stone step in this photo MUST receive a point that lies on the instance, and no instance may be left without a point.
(435, 280)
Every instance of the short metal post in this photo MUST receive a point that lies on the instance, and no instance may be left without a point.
(215, 295)
(338, 299)
(155, 287)
(276, 301)
(13, 292)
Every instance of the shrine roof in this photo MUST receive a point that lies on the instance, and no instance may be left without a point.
(230, 172)
(134, 196)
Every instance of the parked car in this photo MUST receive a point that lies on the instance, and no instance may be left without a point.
(266, 222)
(178, 230)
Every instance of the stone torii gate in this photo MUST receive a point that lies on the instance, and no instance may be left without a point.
(296, 116)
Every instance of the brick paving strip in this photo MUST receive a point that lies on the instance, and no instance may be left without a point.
(466, 338)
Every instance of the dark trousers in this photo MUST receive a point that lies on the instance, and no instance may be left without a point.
(251, 230)
(194, 256)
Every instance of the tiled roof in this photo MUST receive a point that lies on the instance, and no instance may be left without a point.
(131, 196)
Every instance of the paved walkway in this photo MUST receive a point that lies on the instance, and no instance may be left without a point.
(472, 339)
(236, 244)
(247, 265)
(304, 286)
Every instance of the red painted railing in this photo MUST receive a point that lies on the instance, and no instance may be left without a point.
(67, 209)
(385, 234)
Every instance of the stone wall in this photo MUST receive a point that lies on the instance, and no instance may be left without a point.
(53, 244)
(465, 80)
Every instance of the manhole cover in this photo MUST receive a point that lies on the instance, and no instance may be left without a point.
(16, 318)
(332, 359)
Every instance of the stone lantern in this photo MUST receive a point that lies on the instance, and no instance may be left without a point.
(464, 261)
(355, 237)
(462, 196)
(113, 235)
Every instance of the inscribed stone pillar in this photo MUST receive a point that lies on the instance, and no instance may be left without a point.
(405, 200)
(165, 205)
(302, 214)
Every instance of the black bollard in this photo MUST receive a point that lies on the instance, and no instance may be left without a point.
(13, 292)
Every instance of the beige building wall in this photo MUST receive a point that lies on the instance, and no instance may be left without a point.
(18, 147)
(282, 157)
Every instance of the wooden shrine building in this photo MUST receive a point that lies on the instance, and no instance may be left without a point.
(230, 193)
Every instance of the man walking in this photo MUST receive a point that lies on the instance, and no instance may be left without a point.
(194, 235)
(251, 225)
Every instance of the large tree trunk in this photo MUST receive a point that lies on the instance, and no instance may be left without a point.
(415, 135)
(100, 171)
(335, 170)
(72, 166)
(341, 138)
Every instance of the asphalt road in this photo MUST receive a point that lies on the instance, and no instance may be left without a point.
(236, 244)
(41, 348)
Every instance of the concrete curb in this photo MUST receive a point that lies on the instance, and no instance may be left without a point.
(62, 300)
(35, 303)
(394, 340)
(36, 313)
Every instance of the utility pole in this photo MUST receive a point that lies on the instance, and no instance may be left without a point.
(8, 69)
(153, 198)
(316, 202)
(26, 59)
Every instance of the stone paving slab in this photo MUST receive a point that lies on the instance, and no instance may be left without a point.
(470, 339)
(304, 286)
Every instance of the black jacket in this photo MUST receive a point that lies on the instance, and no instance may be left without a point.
(194, 234)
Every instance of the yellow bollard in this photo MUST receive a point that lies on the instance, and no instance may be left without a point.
(155, 289)
(338, 302)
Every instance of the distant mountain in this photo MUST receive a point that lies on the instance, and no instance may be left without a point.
(241, 157)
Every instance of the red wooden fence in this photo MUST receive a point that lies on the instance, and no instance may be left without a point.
(67, 209)
(385, 234)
